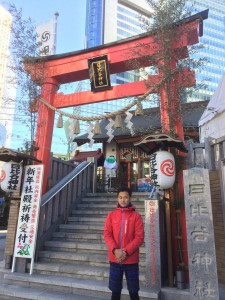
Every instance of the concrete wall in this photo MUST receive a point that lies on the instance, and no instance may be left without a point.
(214, 128)
(218, 222)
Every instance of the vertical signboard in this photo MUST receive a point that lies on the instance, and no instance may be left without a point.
(99, 73)
(200, 235)
(152, 244)
(29, 214)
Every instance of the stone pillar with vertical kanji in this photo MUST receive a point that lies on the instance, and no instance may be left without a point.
(200, 235)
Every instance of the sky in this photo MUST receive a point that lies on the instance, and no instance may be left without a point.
(71, 20)
(70, 37)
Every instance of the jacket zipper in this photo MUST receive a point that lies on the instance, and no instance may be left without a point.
(126, 227)
(121, 230)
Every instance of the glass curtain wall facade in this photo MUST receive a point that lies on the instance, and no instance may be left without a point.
(94, 23)
(213, 40)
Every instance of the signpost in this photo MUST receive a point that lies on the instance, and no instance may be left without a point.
(152, 243)
(29, 214)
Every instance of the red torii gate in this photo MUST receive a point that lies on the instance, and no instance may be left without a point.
(54, 70)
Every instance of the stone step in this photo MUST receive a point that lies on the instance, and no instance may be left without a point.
(104, 206)
(81, 228)
(77, 271)
(68, 286)
(84, 258)
(74, 236)
(86, 219)
(93, 212)
(16, 292)
(96, 213)
(134, 201)
(89, 220)
(77, 246)
(135, 195)
(168, 293)
(71, 289)
(73, 258)
(90, 238)
(72, 270)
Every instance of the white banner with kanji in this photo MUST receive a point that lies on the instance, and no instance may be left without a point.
(46, 35)
(29, 212)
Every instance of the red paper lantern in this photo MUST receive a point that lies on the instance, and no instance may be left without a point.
(162, 169)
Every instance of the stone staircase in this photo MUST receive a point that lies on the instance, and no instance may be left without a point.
(74, 264)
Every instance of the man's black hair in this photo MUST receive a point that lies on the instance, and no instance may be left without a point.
(124, 189)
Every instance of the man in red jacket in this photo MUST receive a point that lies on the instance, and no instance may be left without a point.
(124, 234)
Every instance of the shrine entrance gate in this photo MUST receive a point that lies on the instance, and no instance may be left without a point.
(54, 70)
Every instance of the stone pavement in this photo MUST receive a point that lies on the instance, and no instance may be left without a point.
(2, 247)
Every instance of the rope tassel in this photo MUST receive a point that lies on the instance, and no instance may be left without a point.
(76, 127)
(60, 122)
(97, 129)
(118, 121)
(139, 109)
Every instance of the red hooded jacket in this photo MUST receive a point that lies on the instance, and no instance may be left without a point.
(124, 230)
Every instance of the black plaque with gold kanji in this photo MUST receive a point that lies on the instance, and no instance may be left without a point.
(99, 73)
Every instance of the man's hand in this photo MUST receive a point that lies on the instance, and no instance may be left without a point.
(120, 255)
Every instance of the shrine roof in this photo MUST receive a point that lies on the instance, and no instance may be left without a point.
(7, 155)
(148, 123)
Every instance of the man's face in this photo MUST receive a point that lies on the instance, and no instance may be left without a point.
(123, 199)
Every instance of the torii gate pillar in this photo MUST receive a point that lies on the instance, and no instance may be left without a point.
(45, 124)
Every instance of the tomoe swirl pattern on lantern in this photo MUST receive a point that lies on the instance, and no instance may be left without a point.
(167, 167)
(2, 175)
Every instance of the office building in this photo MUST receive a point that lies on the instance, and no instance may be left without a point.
(213, 40)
